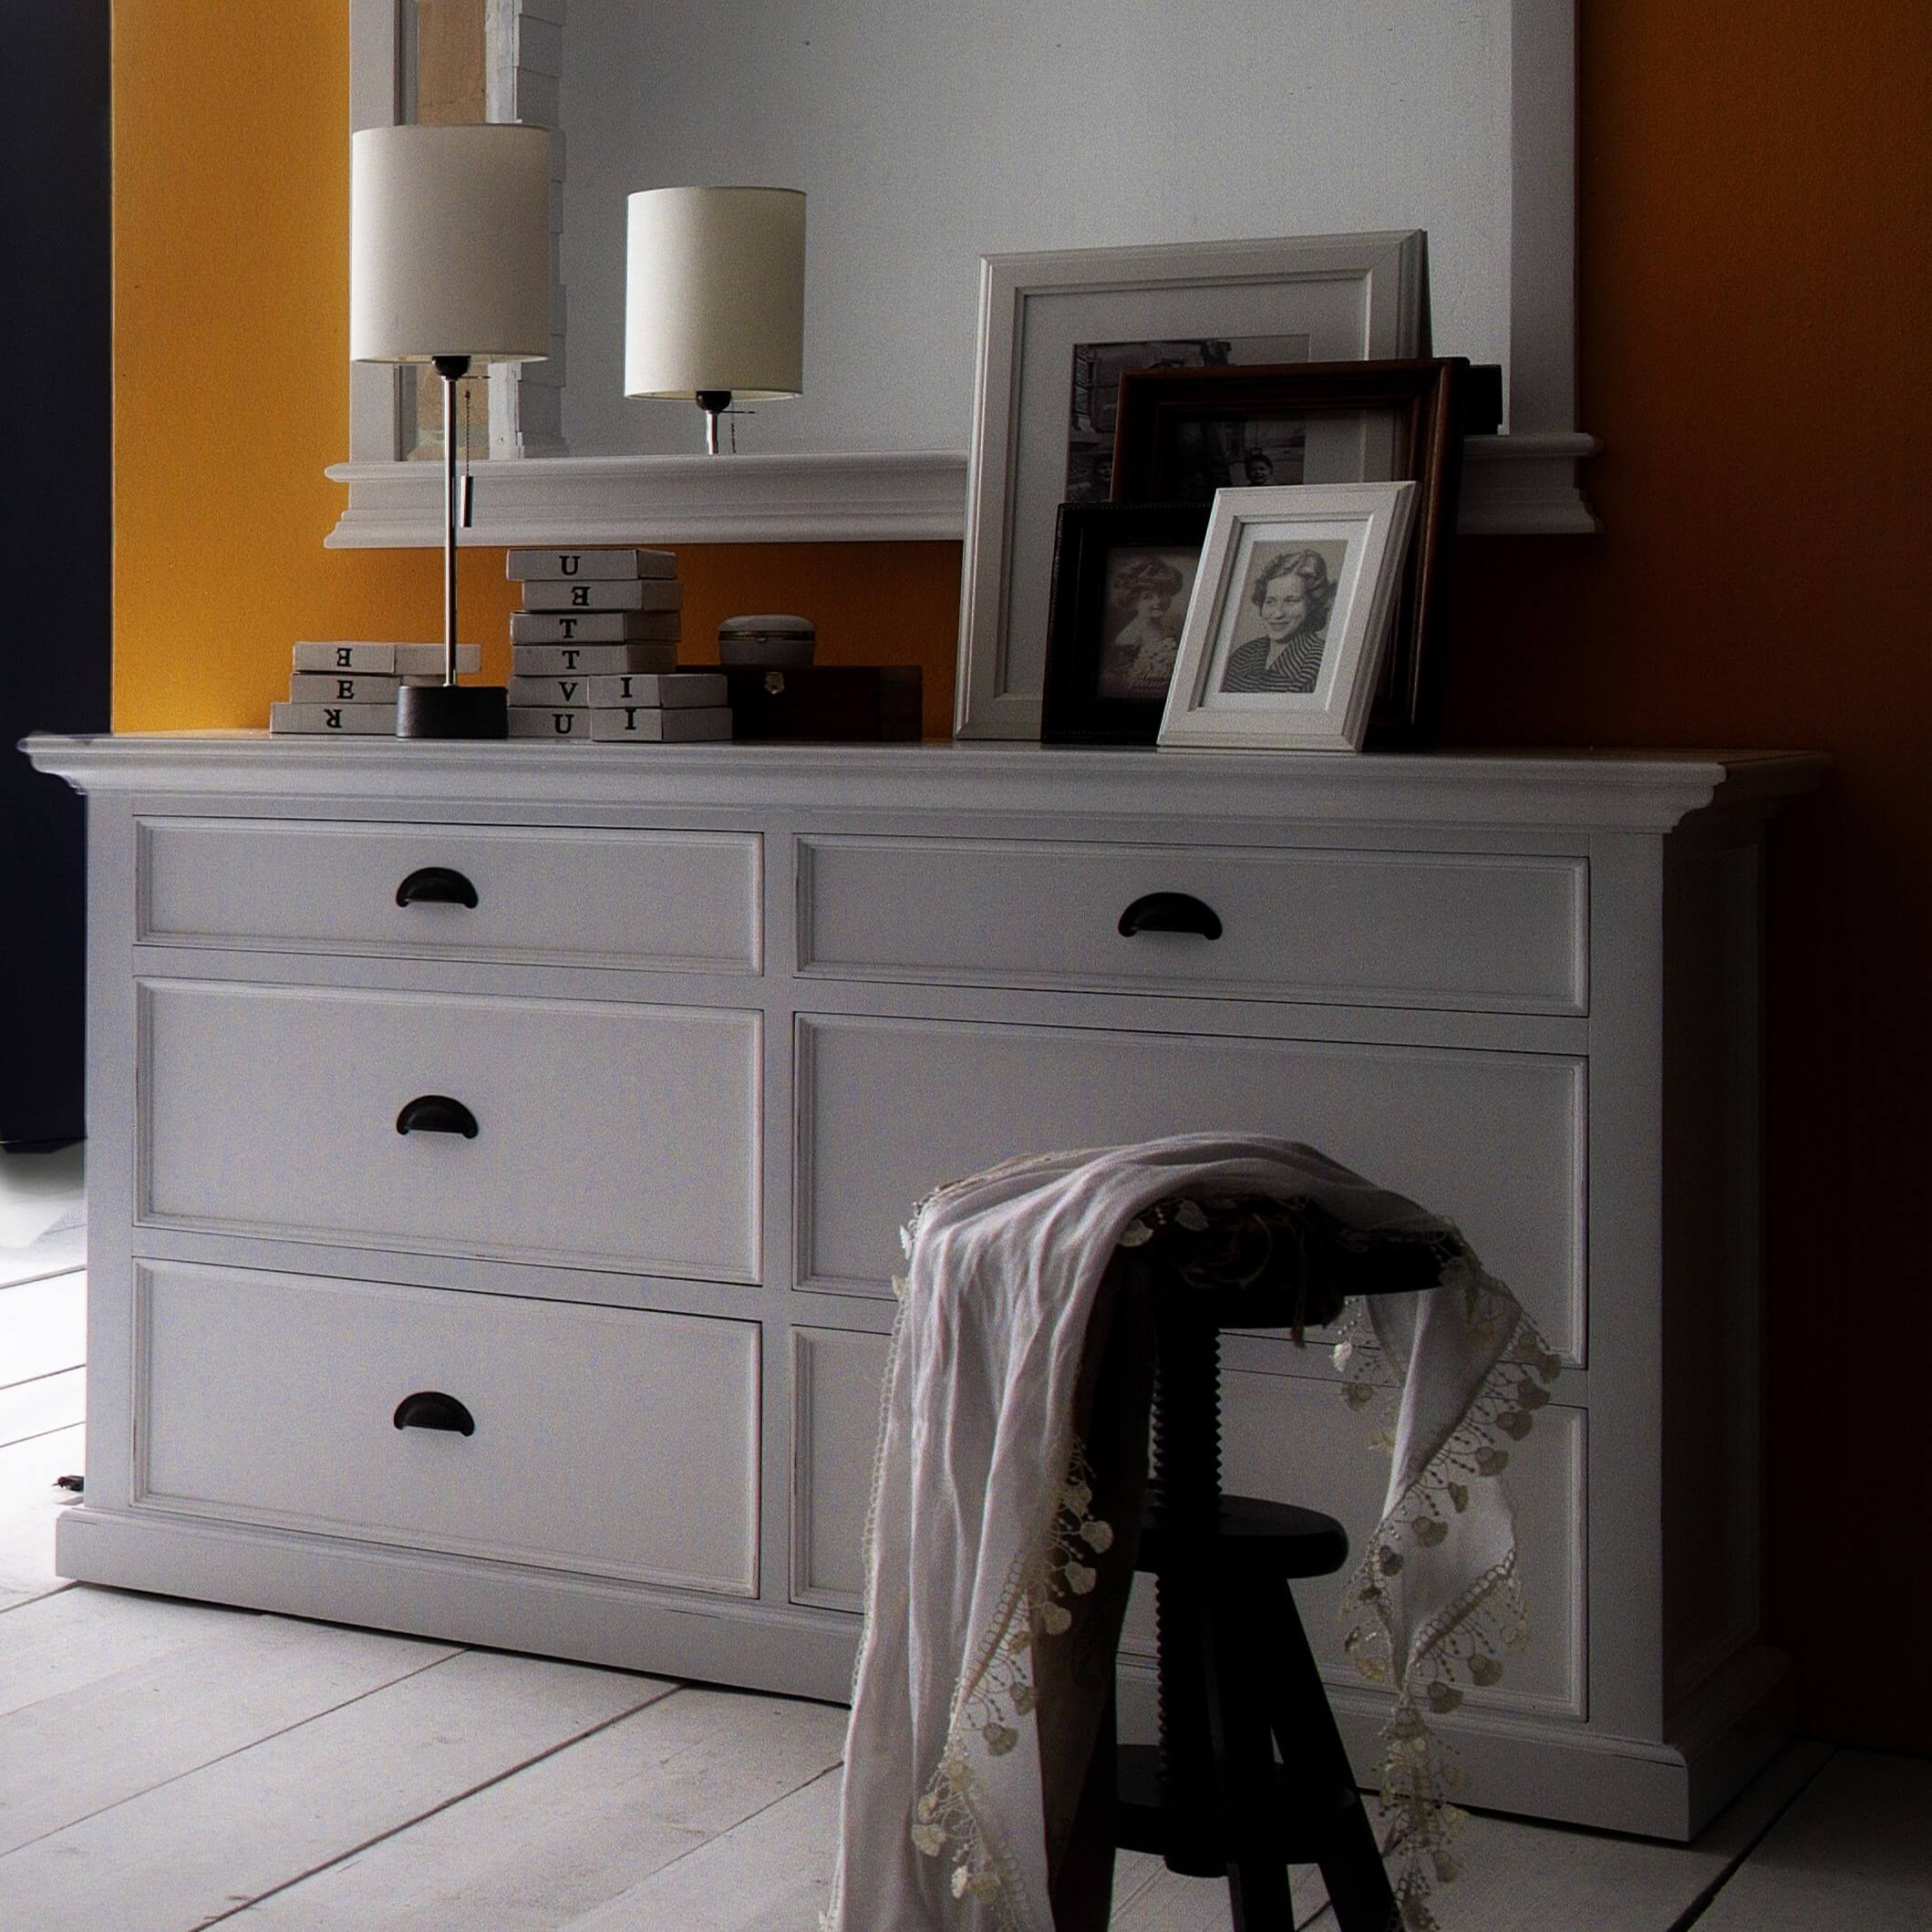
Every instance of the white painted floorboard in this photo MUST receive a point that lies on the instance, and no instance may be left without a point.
(30, 1507)
(64, 1641)
(42, 1325)
(190, 1851)
(146, 1727)
(560, 1840)
(42, 1198)
(1854, 1851)
(40, 1407)
(771, 1875)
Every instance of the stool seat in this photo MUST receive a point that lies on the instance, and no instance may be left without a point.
(1248, 1534)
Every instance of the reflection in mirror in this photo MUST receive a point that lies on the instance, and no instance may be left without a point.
(481, 60)
(926, 137)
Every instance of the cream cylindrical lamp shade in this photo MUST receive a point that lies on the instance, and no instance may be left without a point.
(715, 293)
(449, 244)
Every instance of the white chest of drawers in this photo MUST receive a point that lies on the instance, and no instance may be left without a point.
(718, 1016)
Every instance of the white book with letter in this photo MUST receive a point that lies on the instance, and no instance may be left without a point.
(356, 720)
(599, 565)
(550, 594)
(651, 725)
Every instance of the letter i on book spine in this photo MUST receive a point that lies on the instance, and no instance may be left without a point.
(348, 690)
(594, 621)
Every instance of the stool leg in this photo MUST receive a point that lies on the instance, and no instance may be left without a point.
(1322, 1782)
(1259, 1898)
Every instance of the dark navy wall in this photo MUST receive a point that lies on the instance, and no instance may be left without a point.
(56, 544)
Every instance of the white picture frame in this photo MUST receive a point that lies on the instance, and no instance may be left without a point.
(1313, 298)
(1291, 618)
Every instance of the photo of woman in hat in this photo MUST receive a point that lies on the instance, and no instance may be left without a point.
(1146, 600)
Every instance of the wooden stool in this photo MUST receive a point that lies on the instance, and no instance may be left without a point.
(1236, 1678)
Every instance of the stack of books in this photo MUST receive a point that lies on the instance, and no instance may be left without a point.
(594, 651)
(351, 688)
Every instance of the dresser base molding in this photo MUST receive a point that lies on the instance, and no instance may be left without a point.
(1525, 1765)
(758, 1647)
(1538, 1767)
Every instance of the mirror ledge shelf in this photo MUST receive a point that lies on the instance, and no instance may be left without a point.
(1520, 485)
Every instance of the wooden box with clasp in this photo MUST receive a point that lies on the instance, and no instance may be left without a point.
(826, 703)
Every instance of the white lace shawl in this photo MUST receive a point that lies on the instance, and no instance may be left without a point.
(978, 1519)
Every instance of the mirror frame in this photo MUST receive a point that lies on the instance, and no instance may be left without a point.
(1522, 483)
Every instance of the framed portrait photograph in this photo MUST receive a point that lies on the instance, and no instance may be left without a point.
(1183, 434)
(1059, 332)
(1291, 618)
(1122, 574)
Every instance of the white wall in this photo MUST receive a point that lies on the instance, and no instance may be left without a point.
(927, 132)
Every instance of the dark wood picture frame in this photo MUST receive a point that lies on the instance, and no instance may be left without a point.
(1073, 709)
(1428, 398)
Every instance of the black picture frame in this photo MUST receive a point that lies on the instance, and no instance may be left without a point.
(1085, 696)
(1163, 413)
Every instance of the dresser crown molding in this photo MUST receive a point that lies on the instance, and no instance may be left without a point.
(1629, 790)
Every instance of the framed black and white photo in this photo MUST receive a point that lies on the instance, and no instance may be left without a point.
(1057, 331)
(1291, 618)
(1183, 434)
(1122, 574)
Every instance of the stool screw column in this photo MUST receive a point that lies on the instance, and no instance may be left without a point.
(1186, 1480)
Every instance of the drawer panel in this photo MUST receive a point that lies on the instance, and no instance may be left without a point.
(1410, 929)
(1295, 1440)
(612, 1442)
(679, 901)
(624, 1136)
(1494, 1140)
(837, 1377)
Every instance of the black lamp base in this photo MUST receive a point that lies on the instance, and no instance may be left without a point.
(452, 710)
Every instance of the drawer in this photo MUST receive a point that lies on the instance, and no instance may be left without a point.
(677, 901)
(837, 1381)
(611, 1442)
(623, 1135)
(1494, 1140)
(1295, 1440)
(1407, 929)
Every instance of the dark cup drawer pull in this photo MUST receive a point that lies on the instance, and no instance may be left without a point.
(1170, 912)
(435, 885)
(436, 1113)
(431, 1408)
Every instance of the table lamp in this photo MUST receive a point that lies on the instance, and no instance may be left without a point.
(715, 296)
(450, 265)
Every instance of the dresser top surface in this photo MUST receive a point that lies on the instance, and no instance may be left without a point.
(1630, 790)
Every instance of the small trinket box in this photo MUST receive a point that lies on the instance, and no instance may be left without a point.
(766, 643)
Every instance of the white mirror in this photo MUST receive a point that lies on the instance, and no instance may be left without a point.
(927, 136)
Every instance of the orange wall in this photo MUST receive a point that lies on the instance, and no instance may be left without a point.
(1756, 289)
(1755, 311)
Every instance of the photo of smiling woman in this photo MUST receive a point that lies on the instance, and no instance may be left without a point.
(1292, 587)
